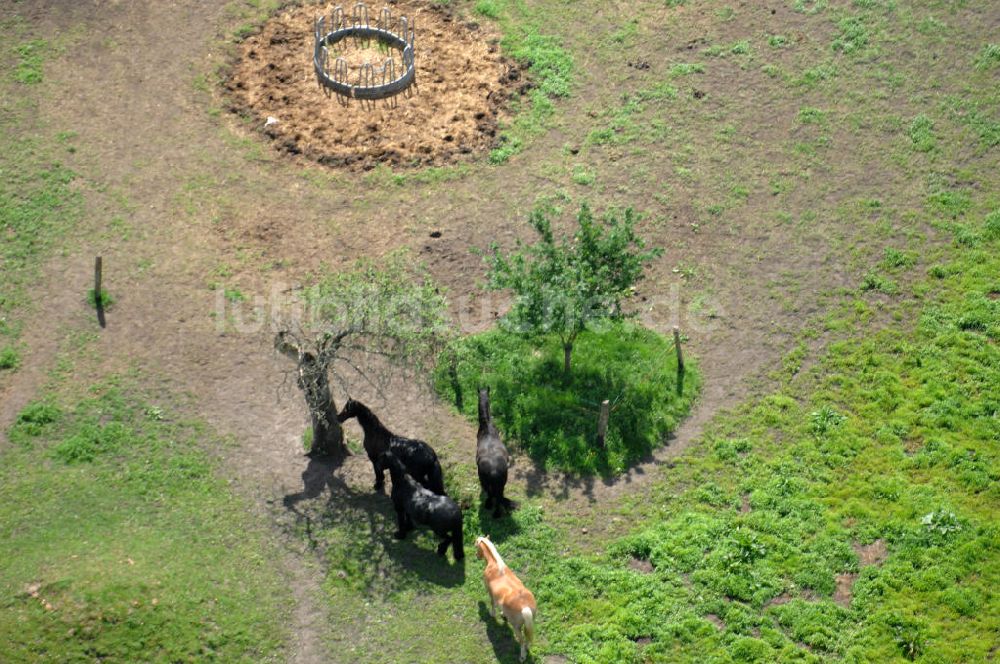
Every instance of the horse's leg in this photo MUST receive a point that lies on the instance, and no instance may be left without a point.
(401, 522)
(443, 546)
(493, 604)
(497, 502)
(379, 476)
(408, 521)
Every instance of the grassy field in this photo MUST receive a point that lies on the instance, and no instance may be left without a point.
(823, 178)
(122, 544)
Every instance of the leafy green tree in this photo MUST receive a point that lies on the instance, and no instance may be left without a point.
(367, 322)
(561, 285)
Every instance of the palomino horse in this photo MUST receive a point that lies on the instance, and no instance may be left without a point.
(418, 457)
(516, 602)
(492, 458)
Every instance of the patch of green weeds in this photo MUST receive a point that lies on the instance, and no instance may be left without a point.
(583, 176)
(488, 8)
(686, 69)
(854, 35)
(30, 60)
(813, 76)
(921, 133)
(894, 259)
(103, 300)
(815, 116)
(873, 281)
(978, 116)
(551, 68)
(741, 47)
(810, 6)
(930, 25)
(626, 33)
(989, 57)
(10, 358)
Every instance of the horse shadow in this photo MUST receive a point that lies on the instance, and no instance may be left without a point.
(368, 521)
(498, 529)
(505, 646)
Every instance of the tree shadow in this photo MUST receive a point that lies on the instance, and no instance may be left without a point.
(553, 416)
(505, 646)
(362, 523)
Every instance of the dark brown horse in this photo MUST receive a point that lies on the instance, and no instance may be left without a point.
(415, 505)
(417, 457)
(492, 458)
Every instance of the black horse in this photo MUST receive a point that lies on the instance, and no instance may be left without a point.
(415, 505)
(417, 457)
(492, 458)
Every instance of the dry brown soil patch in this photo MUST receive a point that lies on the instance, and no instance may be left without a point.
(462, 86)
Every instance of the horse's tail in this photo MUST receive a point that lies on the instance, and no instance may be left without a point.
(458, 542)
(435, 478)
(528, 626)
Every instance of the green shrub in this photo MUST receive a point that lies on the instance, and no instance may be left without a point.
(874, 281)
(989, 57)
(32, 421)
(91, 441)
(9, 358)
(104, 300)
(894, 258)
(991, 225)
(31, 56)
(853, 35)
(553, 416)
(922, 133)
(488, 8)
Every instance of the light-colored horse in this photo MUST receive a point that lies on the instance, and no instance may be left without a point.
(516, 602)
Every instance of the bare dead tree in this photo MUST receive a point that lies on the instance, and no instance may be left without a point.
(365, 323)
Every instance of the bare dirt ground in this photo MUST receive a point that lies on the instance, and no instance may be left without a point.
(206, 206)
(462, 86)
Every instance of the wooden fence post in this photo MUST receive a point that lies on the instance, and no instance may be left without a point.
(677, 348)
(98, 293)
(602, 423)
(97, 281)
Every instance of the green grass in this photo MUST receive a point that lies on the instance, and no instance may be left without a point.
(583, 176)
(989, 57)
(105, 299)
(922, 134)
(38, 203)
(9, 358)
(854, 35)
(623, 123)
(30, 58)
(550, 65)
(554, 418)
(120, 543)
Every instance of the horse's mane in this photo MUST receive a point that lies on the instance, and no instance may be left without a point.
(486, 424)
(501, 565)
(364, 412)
